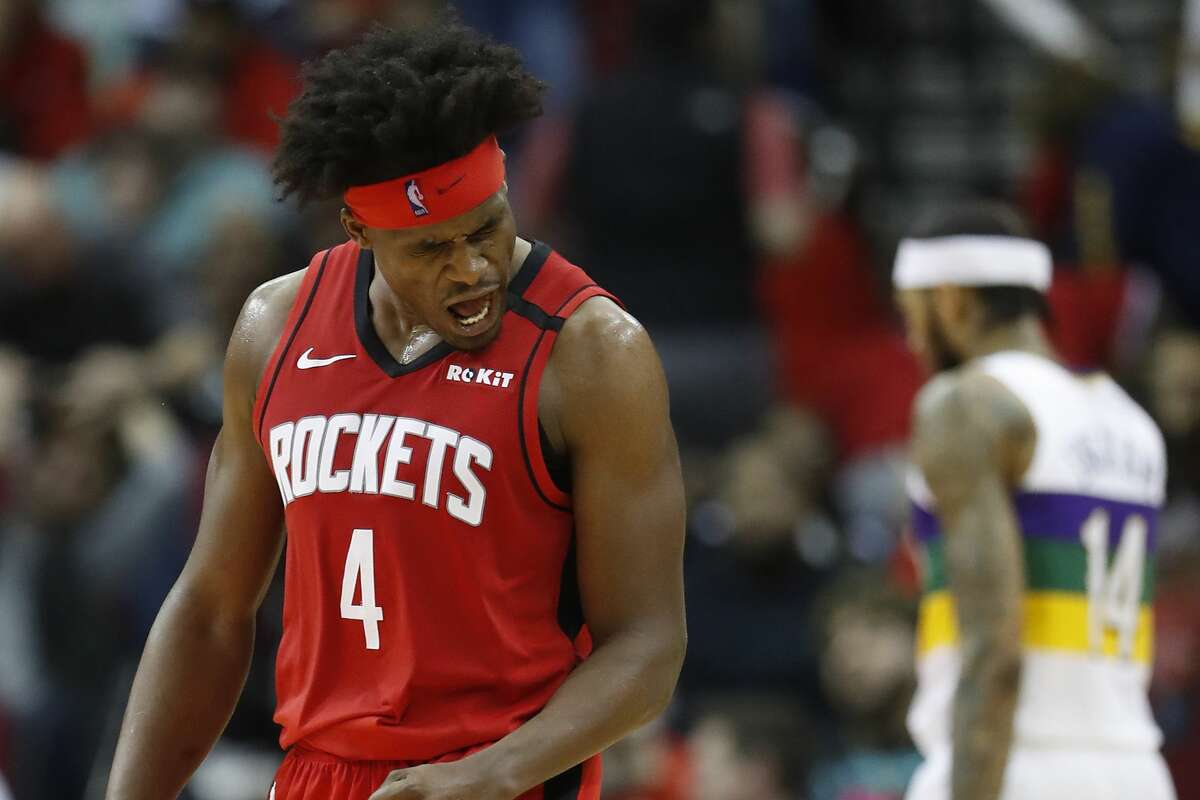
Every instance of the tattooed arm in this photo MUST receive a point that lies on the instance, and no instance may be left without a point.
(973, 440)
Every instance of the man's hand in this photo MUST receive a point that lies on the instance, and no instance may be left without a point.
(454, 781)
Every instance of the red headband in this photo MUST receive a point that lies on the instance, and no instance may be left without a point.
(432, 196)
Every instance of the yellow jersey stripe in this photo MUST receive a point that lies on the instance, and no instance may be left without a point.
(1053, 621)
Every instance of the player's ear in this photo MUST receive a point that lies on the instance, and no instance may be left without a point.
(355, 230)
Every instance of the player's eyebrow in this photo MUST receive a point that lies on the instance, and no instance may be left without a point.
(488, 224)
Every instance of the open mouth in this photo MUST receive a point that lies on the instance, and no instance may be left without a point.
(471, 314)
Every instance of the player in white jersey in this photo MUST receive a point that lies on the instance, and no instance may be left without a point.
(1035, 492)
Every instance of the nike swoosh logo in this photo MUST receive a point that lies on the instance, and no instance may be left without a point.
(453, 183)
(307, 362)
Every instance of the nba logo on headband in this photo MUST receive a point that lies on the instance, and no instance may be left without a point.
(462, 184)
(416, 200)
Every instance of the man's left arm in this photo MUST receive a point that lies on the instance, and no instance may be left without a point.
(627, 495)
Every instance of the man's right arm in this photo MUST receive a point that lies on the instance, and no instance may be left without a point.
(198, 651)
(973, 440)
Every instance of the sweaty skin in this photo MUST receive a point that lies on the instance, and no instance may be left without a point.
(604, 401)
(974, 440)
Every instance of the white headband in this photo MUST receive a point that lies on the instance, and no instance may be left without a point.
(972, 261)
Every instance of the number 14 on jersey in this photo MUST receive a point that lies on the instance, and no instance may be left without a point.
(1114, 593)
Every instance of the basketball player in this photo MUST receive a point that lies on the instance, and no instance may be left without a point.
(468, 442)
(1036, 500)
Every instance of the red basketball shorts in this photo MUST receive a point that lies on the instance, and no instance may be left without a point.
(311, 775)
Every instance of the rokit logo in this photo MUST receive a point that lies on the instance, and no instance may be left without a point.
(487, 377)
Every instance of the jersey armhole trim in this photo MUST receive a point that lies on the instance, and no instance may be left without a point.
(528, 426)
(522, 307)
(535, 463)
(296, 320)
(539, 254)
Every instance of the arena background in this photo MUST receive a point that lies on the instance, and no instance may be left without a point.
(739, 172)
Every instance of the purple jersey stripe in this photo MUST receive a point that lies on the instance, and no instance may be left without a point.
(1057, 516)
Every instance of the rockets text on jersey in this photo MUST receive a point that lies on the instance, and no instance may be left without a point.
(303, 452)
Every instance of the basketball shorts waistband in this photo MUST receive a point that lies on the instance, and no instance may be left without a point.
(308, 774)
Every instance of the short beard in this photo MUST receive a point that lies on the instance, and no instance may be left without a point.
(940, 349)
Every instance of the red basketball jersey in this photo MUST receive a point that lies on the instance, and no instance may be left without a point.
(430, 605)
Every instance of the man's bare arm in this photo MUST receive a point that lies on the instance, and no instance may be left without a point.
(198, 651)
(607, 401)
(973, 440)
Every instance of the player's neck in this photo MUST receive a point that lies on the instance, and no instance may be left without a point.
(1025, 335)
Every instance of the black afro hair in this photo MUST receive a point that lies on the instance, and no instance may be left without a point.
(398, 102)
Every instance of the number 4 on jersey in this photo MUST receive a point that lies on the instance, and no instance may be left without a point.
(360, 571)
(1114, 595)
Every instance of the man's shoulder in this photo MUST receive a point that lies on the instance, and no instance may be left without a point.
(967, 413)
(600, 337)
(603, 363)
(259, 327)
(267, 307)
(968, 395)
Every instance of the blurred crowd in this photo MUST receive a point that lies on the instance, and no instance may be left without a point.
(738, 171)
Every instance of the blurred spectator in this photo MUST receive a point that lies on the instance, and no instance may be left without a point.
(1175, 401)
(174, 180)
(1091, 310)
(652, 182)
(867, 635)
(839, 351)
(1174, 387)
(57, 297)
(186, 363)
(654, 763)
(739, 746)
(44, 102)
(325, 24)
(655, 184)
(757, 555)
(258, 80)
(254, 79)
(15, 390)
(89, 551)
(1175, 690)
(547, 34)
(1173, 384)
(1112, 184)
(748, 746)
(16, 444)
(109, 39)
